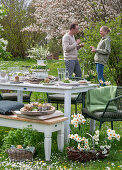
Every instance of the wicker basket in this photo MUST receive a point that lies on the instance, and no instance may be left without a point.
(83, 156)
(20, 154)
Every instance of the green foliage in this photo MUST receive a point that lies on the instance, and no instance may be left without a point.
(25, 137)
(115, 59)
(92, 37)
(18, 17)
(55, 46)
(39, 67)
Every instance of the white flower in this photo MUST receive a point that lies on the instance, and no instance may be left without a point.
(79, 139)
(109, 130)
(113, 131)
(102, 147)
(86, 141)
(96, 138)
(97, 132)
(117, 137)
(109, 137)
(79, 146)
(76, 125)
(107, 168)
(82, 139)
(104, 151)
(112, 164)
(83, 121)
(107, 146)
(72, 136)
(76, 136)
(96, 143)
(73, 115)
(110, 134)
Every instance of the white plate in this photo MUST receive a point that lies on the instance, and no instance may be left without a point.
(48, 84)
(69, 84)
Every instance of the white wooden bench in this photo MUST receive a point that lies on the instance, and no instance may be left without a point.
(46, 126)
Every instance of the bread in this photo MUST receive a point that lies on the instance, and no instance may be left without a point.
(83, 81)
(19, 146)
(16, 78)
(28, 107)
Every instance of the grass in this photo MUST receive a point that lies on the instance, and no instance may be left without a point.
(59, 160)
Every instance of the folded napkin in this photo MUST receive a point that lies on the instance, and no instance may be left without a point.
(96, 99)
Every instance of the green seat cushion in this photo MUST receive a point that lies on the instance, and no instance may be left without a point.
(98, 98)
(6, 107)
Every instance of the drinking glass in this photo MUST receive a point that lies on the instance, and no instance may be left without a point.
(61, 74)
(66, 75)
(3, 76)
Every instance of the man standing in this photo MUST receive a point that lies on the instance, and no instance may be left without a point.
(70, 51)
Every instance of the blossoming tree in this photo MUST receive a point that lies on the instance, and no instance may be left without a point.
(55, 16)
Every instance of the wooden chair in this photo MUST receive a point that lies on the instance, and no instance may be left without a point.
(108, 115)
(13, 96)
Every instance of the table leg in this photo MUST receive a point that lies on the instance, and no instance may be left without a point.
(19, 96)
(67, 113)
(92, 125)
(47, 145)
(60, 138)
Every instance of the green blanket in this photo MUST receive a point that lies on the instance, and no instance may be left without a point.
(96, 99)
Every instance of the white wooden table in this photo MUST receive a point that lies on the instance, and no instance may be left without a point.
(46, 126)
(66, 90)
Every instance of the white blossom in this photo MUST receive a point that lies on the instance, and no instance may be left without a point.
(54, 17)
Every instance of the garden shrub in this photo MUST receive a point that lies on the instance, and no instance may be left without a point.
(25, 137)
(92, 37)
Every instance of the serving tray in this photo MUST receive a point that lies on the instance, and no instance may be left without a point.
(37, 113)
(57, 113)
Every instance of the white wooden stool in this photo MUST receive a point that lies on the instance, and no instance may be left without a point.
(46, 126)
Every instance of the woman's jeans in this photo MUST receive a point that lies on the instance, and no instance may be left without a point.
(100, 69)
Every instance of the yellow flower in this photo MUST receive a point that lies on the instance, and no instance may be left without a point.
(65, 167)
(101, 81)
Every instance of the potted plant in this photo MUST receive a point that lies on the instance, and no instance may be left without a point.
(84, 146)
(39, 53)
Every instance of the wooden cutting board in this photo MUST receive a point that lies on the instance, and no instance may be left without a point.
(57, 113)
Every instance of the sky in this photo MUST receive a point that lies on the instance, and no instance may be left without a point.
(28, 1)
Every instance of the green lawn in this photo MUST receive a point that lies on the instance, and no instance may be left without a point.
(59, 160)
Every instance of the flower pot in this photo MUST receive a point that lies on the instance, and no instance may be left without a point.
(41, 62)
(83, 156)
(55, 56)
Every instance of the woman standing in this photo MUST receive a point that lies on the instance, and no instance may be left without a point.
(102, 52)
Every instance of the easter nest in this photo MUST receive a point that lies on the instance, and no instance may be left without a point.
(37, 112)
(83, 156)
(16, 154)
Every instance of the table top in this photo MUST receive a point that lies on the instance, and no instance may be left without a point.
(46, 86)
(48, 121)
